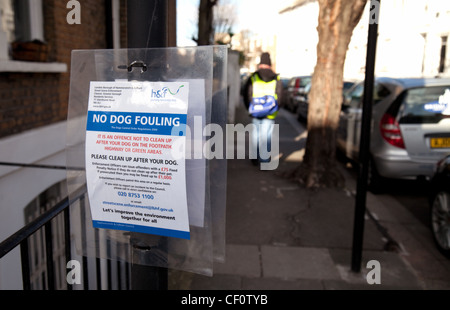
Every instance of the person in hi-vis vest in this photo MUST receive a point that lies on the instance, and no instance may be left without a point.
(261, 91)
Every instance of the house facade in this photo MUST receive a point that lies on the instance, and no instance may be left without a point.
(36, 40)
(412, 40)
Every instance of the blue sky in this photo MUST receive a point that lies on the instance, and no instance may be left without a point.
(187, 11)
(252, 14)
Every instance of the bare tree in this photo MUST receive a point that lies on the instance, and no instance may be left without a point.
(337, 19)
(224, 20)
(205, 22)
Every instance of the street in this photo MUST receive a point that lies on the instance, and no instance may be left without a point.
(411, 195)
(401, 213)
(281, 236)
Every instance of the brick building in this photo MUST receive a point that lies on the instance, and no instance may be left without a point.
(36, 94)
(35, 53)
(36, 41)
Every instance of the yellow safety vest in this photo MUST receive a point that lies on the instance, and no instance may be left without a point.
(262, 88)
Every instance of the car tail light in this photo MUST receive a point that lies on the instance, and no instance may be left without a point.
(390, 130)
(297, 83)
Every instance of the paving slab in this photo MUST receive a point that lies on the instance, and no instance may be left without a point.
(281, 236)
(394, 271)
(281, 284)
(329, 222)
(242, 260)
(297, 263)
(218, 282)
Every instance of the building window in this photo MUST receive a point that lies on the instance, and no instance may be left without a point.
(20, 21)
(443, 54)
(7, 19)
(29, 20)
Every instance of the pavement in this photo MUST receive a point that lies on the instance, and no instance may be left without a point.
(281, 236)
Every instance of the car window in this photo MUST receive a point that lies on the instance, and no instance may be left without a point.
(354, 97)
(347, 86)
(292, 82)
(425, 105)
(307, 88)
(380, 92)
(304, 81)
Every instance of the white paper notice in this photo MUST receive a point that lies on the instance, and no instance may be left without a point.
(135, 164)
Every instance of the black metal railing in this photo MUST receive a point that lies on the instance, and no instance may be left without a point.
(22, 236)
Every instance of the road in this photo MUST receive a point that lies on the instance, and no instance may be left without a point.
(412, 195)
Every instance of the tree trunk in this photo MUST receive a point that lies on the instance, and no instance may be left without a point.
(337, 19)
(205, 22)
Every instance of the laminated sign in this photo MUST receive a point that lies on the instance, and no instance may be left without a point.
(135, 163)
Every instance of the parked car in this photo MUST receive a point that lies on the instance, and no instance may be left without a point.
(440, 206)
(244, 77)
(295, 87)
(285, 82)
(303, 103)
(410, 128)
(347, 86)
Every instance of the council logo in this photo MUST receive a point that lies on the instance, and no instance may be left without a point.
(163, 92)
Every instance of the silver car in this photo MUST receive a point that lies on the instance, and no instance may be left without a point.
(410, 128)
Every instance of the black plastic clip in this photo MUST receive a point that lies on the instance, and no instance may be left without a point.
(135, 64)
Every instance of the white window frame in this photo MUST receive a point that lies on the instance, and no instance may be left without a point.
(32, 29)
(444, 45)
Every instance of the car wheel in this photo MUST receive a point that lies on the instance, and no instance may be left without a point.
(440, 221)
(375, 184)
